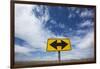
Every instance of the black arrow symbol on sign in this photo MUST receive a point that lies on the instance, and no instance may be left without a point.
(55, 44)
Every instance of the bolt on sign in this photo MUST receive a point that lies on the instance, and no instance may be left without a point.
(58, 44)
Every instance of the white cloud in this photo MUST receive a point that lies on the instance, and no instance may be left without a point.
(29, 28)
(86, 23)
(84, 47)
(30, 57)
(77, 54)
(80, 31)
(86, 13)
(71, 15)
(22, 49)
(53, 22)
(86, 41)
(75, 40)
(78, 11)
(43, 12)
(47, 57)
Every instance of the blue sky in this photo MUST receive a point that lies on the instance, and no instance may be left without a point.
(34, 24)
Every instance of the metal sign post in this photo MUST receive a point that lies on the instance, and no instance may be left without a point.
(59, 57)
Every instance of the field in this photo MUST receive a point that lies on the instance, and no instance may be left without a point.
(46, 63)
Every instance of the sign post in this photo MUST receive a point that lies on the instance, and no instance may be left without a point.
(58, 45)
(59, 57)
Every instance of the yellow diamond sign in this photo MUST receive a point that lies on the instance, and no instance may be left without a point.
(58, 44)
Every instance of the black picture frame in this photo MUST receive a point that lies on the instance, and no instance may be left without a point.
(12, 57)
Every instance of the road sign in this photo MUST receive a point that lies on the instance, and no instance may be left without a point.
(58, 44)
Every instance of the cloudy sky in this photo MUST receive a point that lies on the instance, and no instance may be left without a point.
(34, 24)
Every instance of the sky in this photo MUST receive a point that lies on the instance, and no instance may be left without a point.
(34, 24)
